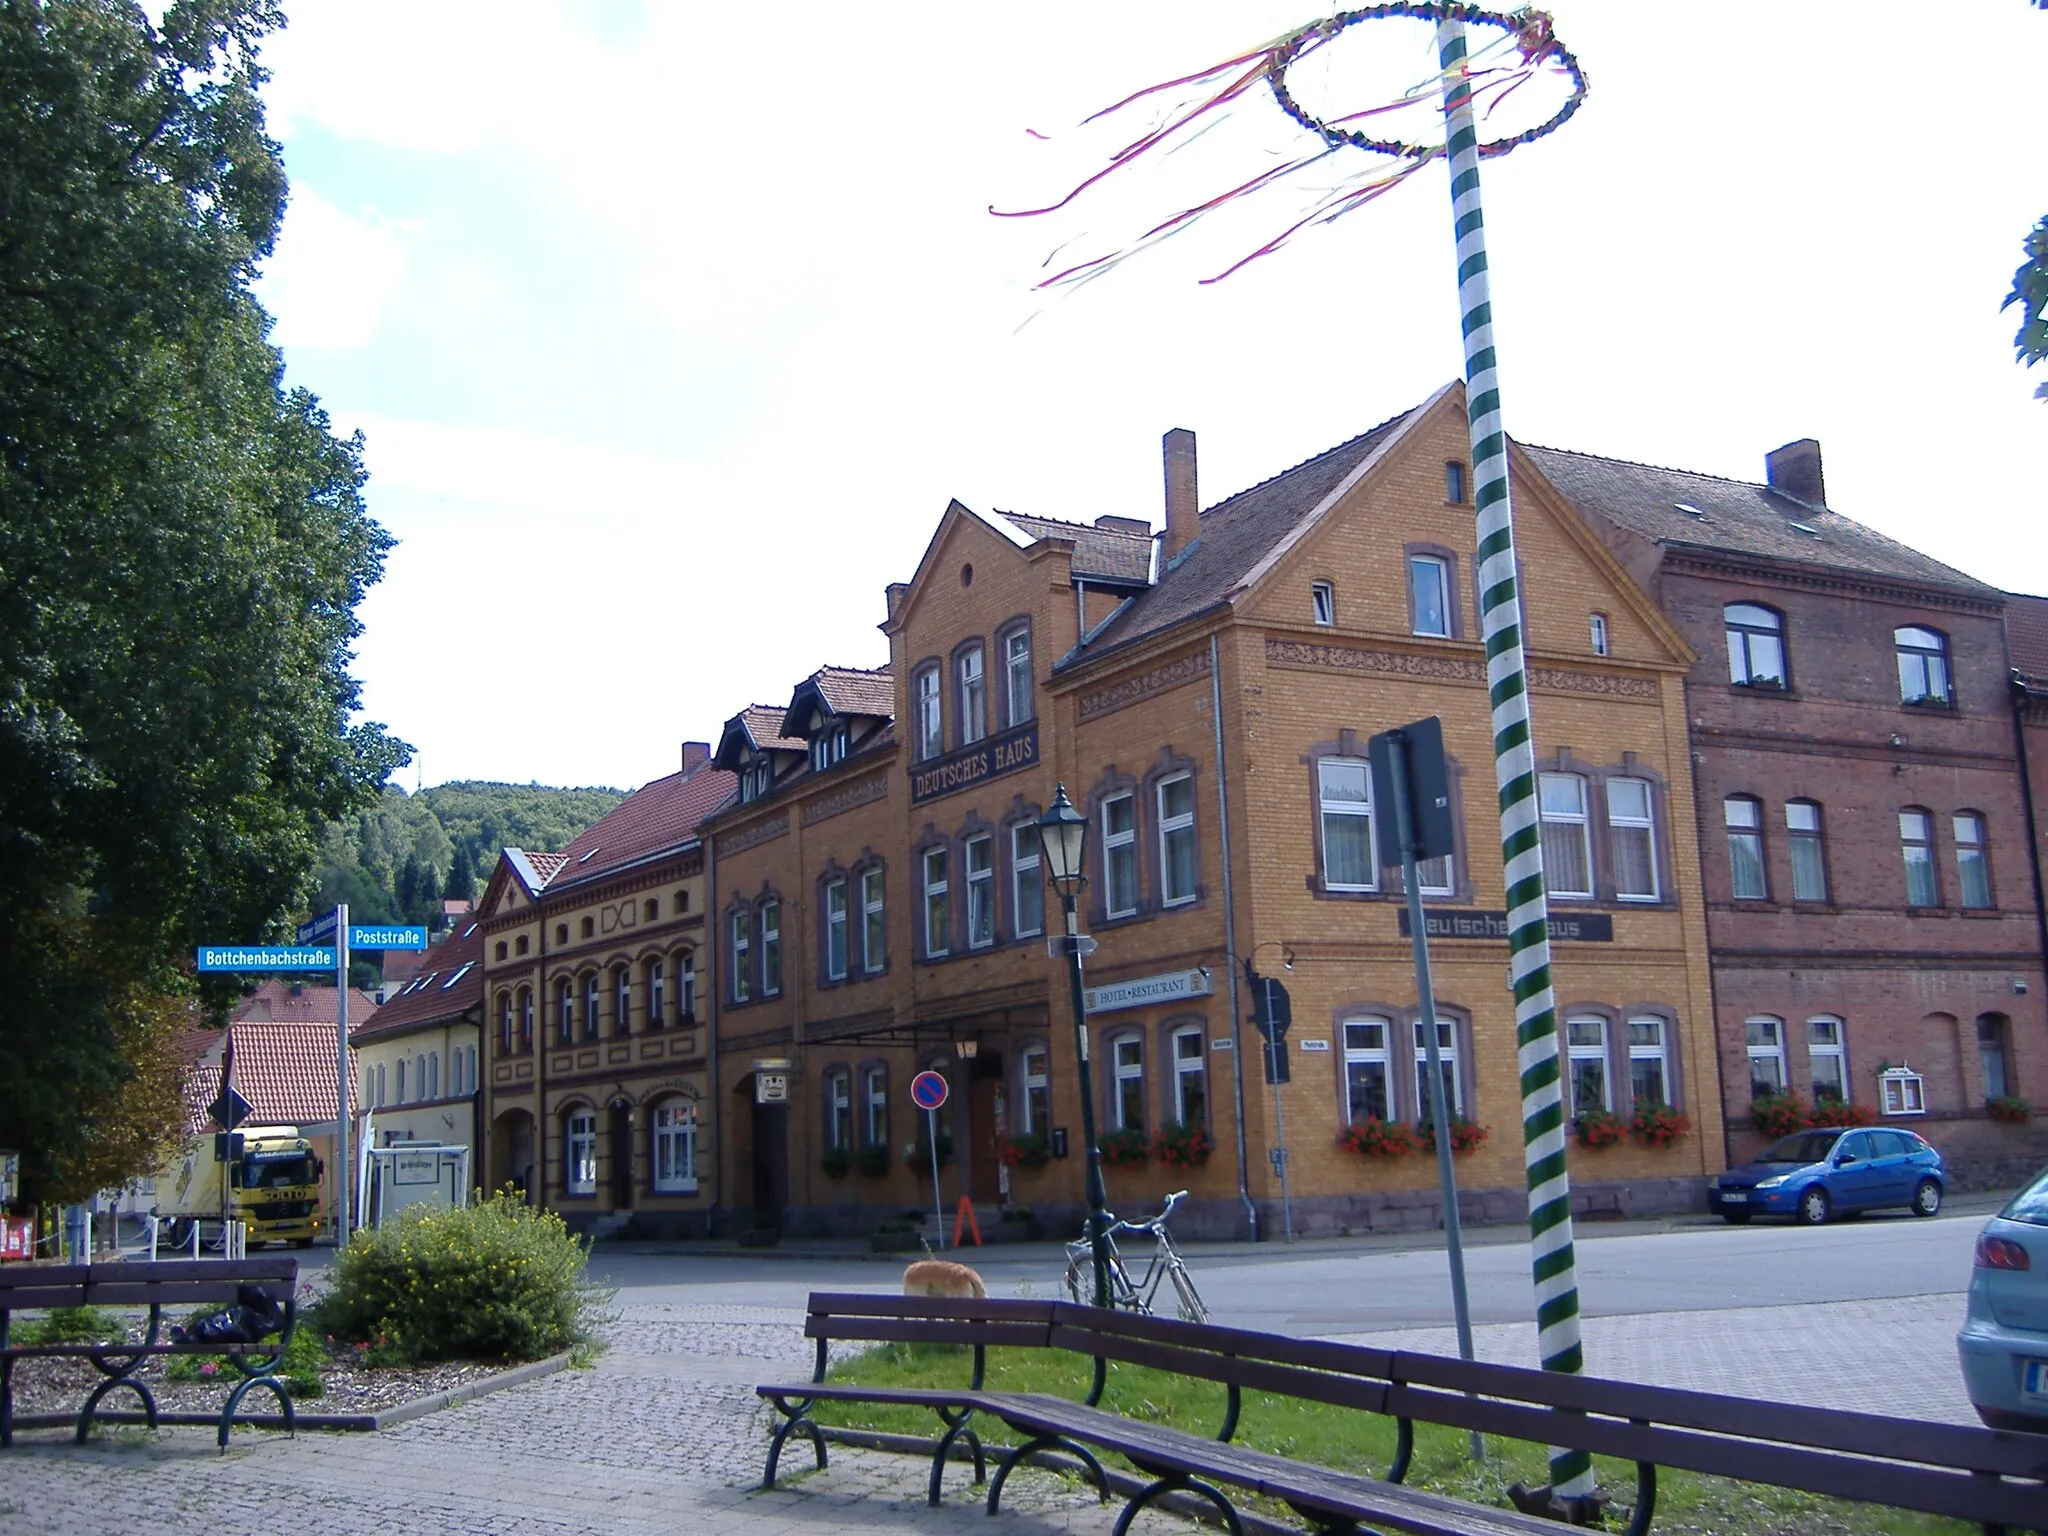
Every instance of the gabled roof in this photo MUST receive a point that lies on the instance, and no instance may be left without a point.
(841, 691)
(2026, 636)
(285, 1070)
(450, 981)
(535, 870)
(656, 818)
(280, 1000)
(1734, 517)
(1115, 554)
(757, 728)
(1236, 536)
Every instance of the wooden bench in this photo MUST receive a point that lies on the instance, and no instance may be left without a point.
(171, 1283)
(1998, 1479)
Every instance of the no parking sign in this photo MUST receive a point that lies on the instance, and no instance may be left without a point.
(928, 1091)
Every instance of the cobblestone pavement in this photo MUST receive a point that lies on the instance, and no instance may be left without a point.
(663, 1434)
(1893, 1356)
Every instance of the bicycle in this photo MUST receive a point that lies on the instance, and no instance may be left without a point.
(1165, 1263)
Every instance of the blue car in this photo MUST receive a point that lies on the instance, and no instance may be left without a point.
(1812, 1175)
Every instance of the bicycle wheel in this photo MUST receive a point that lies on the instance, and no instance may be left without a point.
(1191, 1308)
(1079, 1290)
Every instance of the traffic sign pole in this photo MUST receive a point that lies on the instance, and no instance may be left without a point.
(341, 1125)
(928, 1091)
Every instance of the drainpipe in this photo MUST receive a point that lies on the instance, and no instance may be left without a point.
(2020, 694)
(1251, 1210)
(710, 969)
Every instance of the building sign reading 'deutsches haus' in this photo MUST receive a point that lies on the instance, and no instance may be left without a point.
(990, 758)
(1171, 987)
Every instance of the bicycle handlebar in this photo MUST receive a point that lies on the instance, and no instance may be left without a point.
(1154, 1223)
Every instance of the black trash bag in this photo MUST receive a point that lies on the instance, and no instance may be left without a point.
(255, 1313)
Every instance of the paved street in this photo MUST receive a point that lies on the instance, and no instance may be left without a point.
(665, 1430)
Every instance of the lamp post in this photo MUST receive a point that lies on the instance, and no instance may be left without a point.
(1063, 836)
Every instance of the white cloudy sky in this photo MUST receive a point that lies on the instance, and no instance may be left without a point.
(673, 327)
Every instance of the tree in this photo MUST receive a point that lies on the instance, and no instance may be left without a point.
(183, 546)
(2030, 292)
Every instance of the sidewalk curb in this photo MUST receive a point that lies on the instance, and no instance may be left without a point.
(353, 1423)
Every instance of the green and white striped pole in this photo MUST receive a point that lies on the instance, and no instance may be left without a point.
(1550, 1199)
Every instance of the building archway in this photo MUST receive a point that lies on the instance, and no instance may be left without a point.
(514, 1157)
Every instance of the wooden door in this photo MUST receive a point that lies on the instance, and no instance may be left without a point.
(983, 1162)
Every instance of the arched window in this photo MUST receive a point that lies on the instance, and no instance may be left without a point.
(1973, 865)
(381, 1100)
(1036, 1080)
(1191, 1076)
(592, 989)
(579, 1152)
(565, 1010)
(622, 999)
(675, 1148)
(686, 971)
(401, 1081)
(1916, 842)
(526, 1018)
(657, 992)
(589, 927)
(839, 1109)
(1756, 646)
(651, 909)
(504, 1023)
(1744, 816)
(1923, 667)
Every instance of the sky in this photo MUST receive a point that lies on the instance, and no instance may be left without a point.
(671, 329)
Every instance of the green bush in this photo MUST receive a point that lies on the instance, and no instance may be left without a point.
(72, 1325)
(499, 1280)
(302, 1373)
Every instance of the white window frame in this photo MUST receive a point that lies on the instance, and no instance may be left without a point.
(675, 1148)
(931, 725)
(839, 1109)
(1322, 602)
(579, 1153)
(1620, 822)
(873, 922)
(1923, 844)
(686, 982)
(1924, 663)
(593, 991)
(657, 992)
(837, 933)
(1657, 1049)
(622, 1000)
(1742, 817)
(1807, 847)
(874, 1105)
(1017, 676)
(973, 674)
(1597, 625)
(1027, 884)
(1187, 1064)
(1447, 1049)
(565, 1010)
(1902, 1091)
(1035, 1075)
(1440, 570)
(1123, 1071)
(1362, 809)
(1595, 1052)
(526, 1018)
(1566, 819)
(739, 949)
(1836, 1051)
(1771, 1050)
(1120, 851)
(771, 948)
(981, 889)
(1972, 854)
(1170, 828)
(1366, 1053)
(938, 937)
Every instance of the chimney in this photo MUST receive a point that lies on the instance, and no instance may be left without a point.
(1795, 470)
(1183, 501)
(695, 754)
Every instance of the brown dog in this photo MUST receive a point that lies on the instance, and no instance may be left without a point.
(941, 1277)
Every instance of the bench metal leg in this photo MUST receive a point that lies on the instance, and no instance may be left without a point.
(1646, 1499)
(1046, 1443)
(798, 1417)
(1404, 1449)
(1177, 1483)
(6, 1396)
(276, 1389)
(956, 1429)
(92, 1403)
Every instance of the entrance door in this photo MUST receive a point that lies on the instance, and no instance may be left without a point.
(771, 1158)
(622, 1158)
(983, 1161)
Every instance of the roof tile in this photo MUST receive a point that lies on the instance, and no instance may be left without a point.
(655, 817)
(2026, 635)
(449, 981)
(1110, 554)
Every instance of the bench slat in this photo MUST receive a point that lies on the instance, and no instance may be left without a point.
(855, 1304)
(1359, 1392)
(919, 1331)
(42, 1297)
(1315, 1354)
(263, 1267)
(177, 1294)
(916, 1397)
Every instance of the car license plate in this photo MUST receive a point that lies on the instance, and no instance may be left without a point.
(1734, 1197)
(2034, 1380)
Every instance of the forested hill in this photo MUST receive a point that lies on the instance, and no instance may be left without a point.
(396, 861)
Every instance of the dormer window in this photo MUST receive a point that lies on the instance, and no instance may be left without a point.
(754, 779)
(828, 746)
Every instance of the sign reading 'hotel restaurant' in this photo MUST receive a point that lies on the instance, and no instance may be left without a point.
(989, 758)
(1146, 989)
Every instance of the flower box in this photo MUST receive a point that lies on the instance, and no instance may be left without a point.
(1466, 1135)
(1182, 1146)
(1596, 1128)
(1658, 1125)
(1374, 1137)
(1124, 1149)
(2010, 1109)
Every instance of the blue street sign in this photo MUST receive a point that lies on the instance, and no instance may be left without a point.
(264, 957)
(928, 1091)
(321, 927)
(362, 936)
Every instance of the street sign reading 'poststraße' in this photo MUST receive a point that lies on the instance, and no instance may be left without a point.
(365, 936)
(265, 957)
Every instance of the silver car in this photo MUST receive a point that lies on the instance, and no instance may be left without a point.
(2004, 1342)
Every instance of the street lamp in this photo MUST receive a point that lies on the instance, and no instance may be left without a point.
(1063, 836)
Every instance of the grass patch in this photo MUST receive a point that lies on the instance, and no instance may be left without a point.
(1687, 1504)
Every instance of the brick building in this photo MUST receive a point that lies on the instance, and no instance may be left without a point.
(597, 1018)
(1872, 904)
(1205, 695)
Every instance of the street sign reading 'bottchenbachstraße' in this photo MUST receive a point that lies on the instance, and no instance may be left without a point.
(265, 957)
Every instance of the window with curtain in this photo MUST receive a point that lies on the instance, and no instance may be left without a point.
(675, 1148)
(973, 696)
(1649, 1074)
(938, 908)
(1344, 787)
(1191, 1076)
(1177, 840)
(1973, 868)
(1916, 842)
(1744, 818)
(980, 857)
(931, 739)
(1120, 854)
(1567, 843)
(1429, 595)
(1017, 676)
(1586, 1054)
(1368, 1073)
(1632, 839)
(1127, 1065)
(1923, 666)
(835, 929)
(1809, 854)
(579, 1154)
(1028, 893)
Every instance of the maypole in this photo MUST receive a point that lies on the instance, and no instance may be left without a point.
(1543, 1141)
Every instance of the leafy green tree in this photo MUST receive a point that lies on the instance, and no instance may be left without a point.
(183, 546)
(2030, 292)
